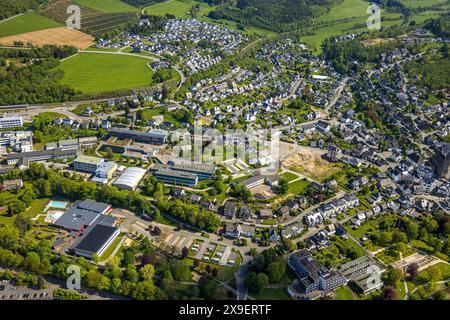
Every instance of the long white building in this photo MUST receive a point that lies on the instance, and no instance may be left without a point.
(11, 122)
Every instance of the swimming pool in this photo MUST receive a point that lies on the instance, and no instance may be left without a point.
(57, 204)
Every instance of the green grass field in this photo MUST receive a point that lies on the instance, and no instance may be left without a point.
(96, 73)
(180, 9)
(36, 207)
(347, 9)
(297, 187)
(354, 12)
(421, 3)
(26, 23)
(108, 252)
(289, 176)
(273, 294)
(354, 26)
(345, 293)
(421, 17)
(107, 5)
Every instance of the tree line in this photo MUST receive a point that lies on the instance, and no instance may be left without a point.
(46, 183)
(14, 7)
(30, 76)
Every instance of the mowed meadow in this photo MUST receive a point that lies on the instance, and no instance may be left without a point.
(97, 73)
(28, 22)
(348, 17)
(180, 9)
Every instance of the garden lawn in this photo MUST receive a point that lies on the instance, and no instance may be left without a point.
(387, 258)
(107, 254)
(36, 207)
(401, 292)
(368, 226)
(26, 23)
(345, 293)
(148, 114)
(419, 244)
(225, 273)
(97, 73)
(273, 294)
(289, 176)
(298, 187)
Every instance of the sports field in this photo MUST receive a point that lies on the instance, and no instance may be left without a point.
(97, 72)
(26, 23)
(56, 36)
(180, 9)
(107, 5)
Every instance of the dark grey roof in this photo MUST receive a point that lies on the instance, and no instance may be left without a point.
(82, 213)
(75, 218)
(54, 152)
(92, 205)
(107, 221)
(94, 240)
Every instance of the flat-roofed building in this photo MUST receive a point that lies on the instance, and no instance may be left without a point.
(97, 241)
(18, 141)
(154, 136)
(87, 163)
(82, 214)
(202, 171)
(117, 145)
(58, 153)
(258, 180)
(130, 178)
(104, 172)
(312, 275)
(11, 122)
(69, 144)
(180, 178)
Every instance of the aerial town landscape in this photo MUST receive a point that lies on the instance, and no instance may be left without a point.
(239, 150)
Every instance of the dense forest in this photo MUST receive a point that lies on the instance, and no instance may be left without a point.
(29, 76)
(432, 72)
(440, 26)
(13, 7)
(276, 15)
(343, 54)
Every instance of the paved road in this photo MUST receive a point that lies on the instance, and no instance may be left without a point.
(337, 94)
(240, 276)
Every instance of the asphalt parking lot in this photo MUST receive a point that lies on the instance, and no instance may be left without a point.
(11, 292)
